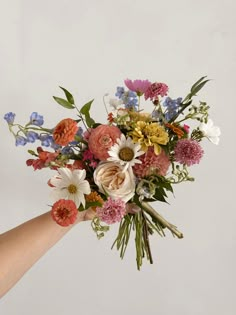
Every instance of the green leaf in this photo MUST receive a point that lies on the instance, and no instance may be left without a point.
(197, 83)
(197, 88)
(68, 95)
(89, 121)
(89, 204)
(86, 108)
(63, 102)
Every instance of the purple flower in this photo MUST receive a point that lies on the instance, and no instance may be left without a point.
(188, 151)
(172, 107)
(20, 141)
(31, 136)
(36, 119)
(46, 140)
(9, 117)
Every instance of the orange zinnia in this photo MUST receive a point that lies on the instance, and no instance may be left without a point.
(178, 131)
(93, 197)
(65, 131)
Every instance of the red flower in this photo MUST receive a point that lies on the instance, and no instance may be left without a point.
(64, 212)
(44, 159)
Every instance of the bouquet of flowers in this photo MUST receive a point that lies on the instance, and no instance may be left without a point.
(119, 168)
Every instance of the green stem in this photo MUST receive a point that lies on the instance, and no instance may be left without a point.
(160, 219)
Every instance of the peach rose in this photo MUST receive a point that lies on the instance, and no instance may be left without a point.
(101, 139)
(111, 179)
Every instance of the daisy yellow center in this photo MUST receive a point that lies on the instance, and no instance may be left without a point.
(72, 189)
(126, 154)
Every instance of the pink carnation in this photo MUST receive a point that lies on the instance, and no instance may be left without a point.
(156, 90)
(138, 86)
(101, 139)
(112, 211)
(152, 164)
(188, 151)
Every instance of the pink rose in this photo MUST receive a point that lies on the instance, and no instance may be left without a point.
(101, 139)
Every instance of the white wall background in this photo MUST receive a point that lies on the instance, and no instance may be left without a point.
(90, 47)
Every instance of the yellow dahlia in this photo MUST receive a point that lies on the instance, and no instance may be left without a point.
(149, 135)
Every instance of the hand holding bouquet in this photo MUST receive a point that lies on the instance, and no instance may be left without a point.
(117, 169)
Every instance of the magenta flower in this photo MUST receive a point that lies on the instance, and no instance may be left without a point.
(156, 90)
(112, 211)
(188, 151)
(138, 86)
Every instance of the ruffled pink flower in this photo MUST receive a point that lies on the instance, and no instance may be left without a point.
(112, 211)
(101, 139)
(155, 90)
(152, 164)
(138, 86)
(64, 212)
(188, 151)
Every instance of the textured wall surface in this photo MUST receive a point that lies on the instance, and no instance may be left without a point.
(89, 47)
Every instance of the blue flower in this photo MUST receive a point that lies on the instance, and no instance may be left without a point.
(9, 117)
(32, 136)
(67, 150)
(20, 140)
(120, 90)
(46, 140)
(172, 107)
(36, 119)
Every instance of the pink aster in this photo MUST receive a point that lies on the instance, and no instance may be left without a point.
(112, 211)
(138, 86)
(188, 151)
(155, 90)
(152, 164)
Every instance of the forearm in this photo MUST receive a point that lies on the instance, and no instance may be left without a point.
(22, 246)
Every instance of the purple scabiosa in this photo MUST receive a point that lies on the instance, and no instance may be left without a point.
(36, 119)
(188, 151)
(9, 117)
(112, 211)
(20, 140)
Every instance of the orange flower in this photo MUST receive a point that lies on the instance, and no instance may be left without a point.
(178, 131)
(65, 131)
(93, 197)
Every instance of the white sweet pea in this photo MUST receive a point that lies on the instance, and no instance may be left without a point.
(112, 180)
(115, 103)
(210, 131)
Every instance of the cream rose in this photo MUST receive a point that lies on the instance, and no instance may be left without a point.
(112, 180)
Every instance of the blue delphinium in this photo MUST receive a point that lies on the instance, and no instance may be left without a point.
(20, 140)
(129, 98)
(36, 119)
(67, 150)
(9, 117)
(32, 136)
(46, 140)
(172, 107)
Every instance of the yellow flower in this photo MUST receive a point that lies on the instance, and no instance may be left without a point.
(149, 134)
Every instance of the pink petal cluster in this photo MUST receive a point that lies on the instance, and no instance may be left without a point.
(152, 164)
(138, 86)
(101, 139)
(188, 151)
(112, 211)
(155, 90)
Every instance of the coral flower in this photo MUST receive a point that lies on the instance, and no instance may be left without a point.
(188, 151)
(112, 211)
(65, 131)
(149, 135)
(101, 139)
(152, 164)
(138, 86)
(64, 212)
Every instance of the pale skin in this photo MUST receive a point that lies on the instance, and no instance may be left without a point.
(22, 246)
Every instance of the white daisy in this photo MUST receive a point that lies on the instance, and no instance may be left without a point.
(210, 131)
(125, 152)
(70, 184)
